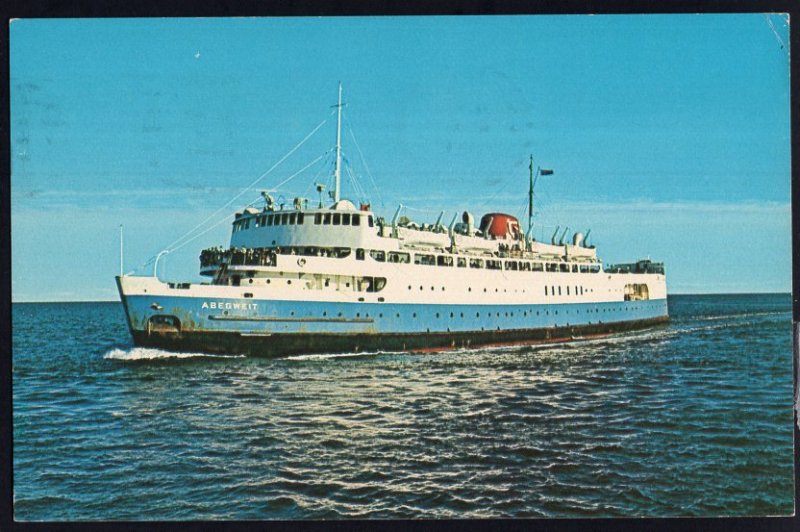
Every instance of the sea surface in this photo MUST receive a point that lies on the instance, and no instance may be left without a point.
(689, 419)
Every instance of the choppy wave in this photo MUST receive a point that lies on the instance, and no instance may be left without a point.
(692, 418)
(146, 353)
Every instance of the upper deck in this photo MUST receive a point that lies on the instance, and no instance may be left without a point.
(344, 226)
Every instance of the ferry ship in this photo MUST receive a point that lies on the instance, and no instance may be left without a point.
(338, 278)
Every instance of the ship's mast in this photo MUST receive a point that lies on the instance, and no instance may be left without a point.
(338, 171)
(530, 199)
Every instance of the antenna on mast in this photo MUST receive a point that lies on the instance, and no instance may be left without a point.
(338, 171)
(539, 171)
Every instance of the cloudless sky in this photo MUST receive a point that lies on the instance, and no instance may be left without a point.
(669, 135)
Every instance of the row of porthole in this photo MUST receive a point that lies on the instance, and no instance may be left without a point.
(478, 314)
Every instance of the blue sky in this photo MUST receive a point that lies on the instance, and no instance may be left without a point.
(669, 135)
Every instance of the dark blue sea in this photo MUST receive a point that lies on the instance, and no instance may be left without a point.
(689, 419)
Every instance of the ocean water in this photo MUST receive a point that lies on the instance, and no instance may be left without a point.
(689, 419)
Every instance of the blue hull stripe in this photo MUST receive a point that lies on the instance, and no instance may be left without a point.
(268, 316)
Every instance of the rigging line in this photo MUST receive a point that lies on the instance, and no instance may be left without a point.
(322, 167)
(303, 169)
(251, 203)
(262, 176)
(364, 162)
(427, 211)
(359, 190)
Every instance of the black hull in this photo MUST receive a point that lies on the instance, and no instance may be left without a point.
(277, 345)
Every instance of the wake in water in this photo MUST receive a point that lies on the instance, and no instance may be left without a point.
(326, 356)
(144, 353)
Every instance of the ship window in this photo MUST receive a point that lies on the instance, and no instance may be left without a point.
(377, 285)
(538, 267)
(356, 220)
(327, 220)
(258, 220)
(584, 268)
(248, 294)
(545, 290)
(277, 219)
(300, 217)
(318, 218)
(574, 267)
(559, 290)
(494, 265)
(564, 267)
(346, 219)
(284, 218)
(551, 267)
(461, 262)
(475, 263)
(399, 257)
(369, 220)
(268, 220)
(377, 255)
(247, 224)
(293, 218)
(526, 266)
(567, 289)
(359, 254)
(425, 260)
(337, 218)
(444, 260)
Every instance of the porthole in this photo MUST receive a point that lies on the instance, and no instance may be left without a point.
(414, 315)
(268, 281)
(288, 281)
(437, 314)
(452, 315)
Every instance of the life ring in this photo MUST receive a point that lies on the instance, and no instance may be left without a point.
(301, 262)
